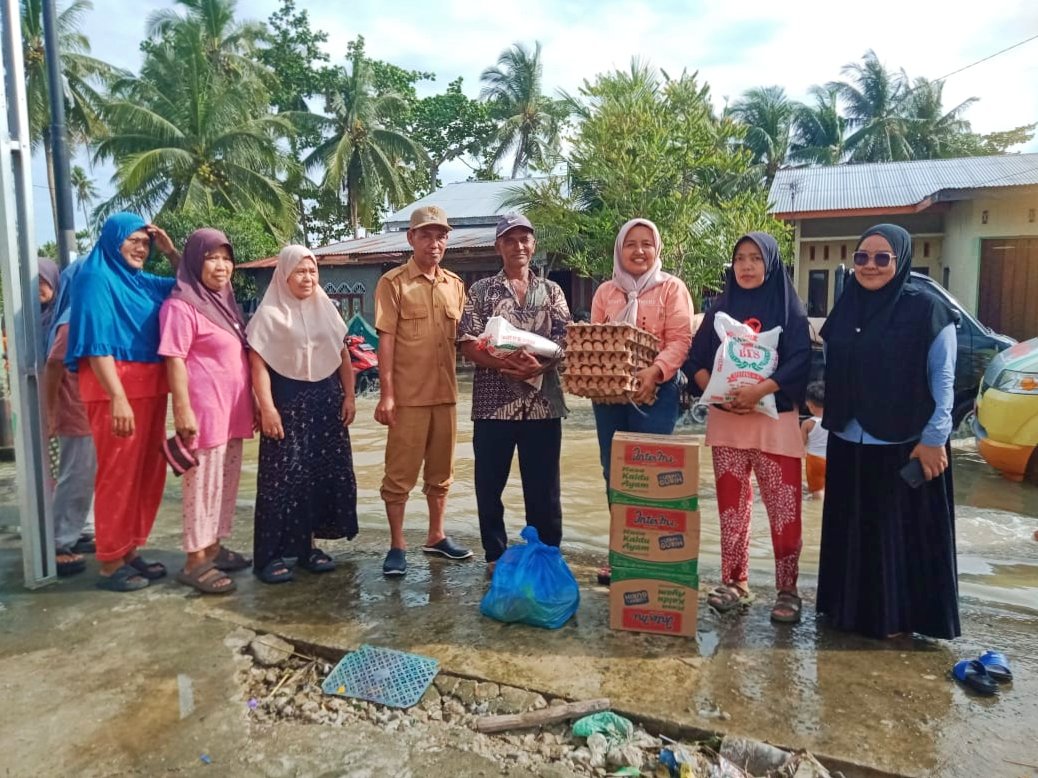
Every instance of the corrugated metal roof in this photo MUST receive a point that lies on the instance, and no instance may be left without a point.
(894, 184)
(465, 200)
(363, 250)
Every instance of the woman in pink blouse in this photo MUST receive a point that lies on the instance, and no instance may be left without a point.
(203, 341)
(640, 293)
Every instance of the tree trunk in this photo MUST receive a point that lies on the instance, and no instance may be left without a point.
(48, 153)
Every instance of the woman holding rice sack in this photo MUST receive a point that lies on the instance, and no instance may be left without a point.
(640, 293)
(758, 291)
(887, 560)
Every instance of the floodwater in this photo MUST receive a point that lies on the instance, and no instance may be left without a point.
(996, 519)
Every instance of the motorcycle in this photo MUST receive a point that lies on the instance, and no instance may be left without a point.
(364, 359)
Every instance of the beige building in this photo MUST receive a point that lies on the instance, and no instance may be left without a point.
(973, 222)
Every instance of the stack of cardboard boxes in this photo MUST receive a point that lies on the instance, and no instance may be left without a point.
(654, 533)
(602, 359)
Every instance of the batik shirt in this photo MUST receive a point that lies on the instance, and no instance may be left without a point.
(543, 312)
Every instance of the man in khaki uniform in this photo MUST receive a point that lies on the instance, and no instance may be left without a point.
(417, 308)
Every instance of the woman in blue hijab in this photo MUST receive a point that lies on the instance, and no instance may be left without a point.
(113, 340)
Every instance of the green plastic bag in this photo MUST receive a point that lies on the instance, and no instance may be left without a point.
(617, 729)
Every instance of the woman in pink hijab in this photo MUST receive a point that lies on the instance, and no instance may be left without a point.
(640, 293)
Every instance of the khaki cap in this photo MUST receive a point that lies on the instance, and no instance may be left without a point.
(429, 214)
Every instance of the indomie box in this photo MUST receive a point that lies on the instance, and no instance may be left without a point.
(653, 605)
(657, 470)
(654, 534)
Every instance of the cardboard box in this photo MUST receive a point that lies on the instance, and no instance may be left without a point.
(660, 471)
(653, 605)
(654, 534)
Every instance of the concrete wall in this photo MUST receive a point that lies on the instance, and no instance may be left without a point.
(1011, 215)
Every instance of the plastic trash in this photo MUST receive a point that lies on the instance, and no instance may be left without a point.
(617, 729)
(754, 756)
(532, 585)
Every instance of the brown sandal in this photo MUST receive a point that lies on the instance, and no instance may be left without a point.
(728, 597)
(786, 609)
(206, 578)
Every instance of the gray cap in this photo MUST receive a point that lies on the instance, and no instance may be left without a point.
(510, 221)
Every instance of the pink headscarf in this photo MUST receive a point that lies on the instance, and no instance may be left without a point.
(300, 339)
(636, 286)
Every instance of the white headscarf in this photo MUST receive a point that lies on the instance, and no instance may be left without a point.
(300, 339)
(636, 286)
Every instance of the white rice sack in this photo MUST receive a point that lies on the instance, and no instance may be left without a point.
(744, 358)
(500, 339)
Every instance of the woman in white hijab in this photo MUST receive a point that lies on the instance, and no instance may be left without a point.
(640, 293)
(303, 381)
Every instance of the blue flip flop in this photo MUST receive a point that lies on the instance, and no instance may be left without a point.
(997, 666)
(973, 674)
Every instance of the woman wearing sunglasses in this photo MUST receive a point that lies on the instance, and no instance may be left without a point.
(887, 561)
(757, 290)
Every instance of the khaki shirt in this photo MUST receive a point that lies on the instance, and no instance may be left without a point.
(423, 316)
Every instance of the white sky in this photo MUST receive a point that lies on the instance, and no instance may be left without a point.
(734, 46)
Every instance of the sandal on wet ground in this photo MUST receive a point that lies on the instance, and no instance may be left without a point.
(786, 609)
(208, 579)
(275, 572)
(317, 562)
(997, 666)
(125, 579)
(84, 544)
(71, 565)
(729, 597)
(231, 561)
(150, 570)
(972, 674)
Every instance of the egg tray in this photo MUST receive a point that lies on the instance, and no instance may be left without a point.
(608, 337)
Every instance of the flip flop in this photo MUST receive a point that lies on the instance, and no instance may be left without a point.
(275, 572)
(125, 579)
(973, 674)
(231, 561)
(204, 579)
(150, 570)
(71, 566)
(317, 562)
(997, 666)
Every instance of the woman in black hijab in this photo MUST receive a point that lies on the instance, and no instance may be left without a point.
(758, 291)
(887, 563)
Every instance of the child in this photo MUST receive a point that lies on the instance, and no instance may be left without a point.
(815, 439)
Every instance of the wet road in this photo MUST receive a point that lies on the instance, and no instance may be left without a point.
(998, 558)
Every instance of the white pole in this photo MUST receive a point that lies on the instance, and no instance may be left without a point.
(19, 275)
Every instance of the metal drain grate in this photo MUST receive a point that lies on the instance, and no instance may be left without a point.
(382, 675)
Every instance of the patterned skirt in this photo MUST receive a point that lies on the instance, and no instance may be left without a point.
(305, 487)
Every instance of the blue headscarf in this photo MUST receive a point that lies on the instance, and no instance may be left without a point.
(115, 308)
(62, 308)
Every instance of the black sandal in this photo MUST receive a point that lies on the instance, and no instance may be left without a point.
(231, 561)
(125, 579)
(275, 572)
(318, 562)
(69, 567)
(150, 570)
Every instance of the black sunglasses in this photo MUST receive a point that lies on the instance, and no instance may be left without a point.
(881, 258)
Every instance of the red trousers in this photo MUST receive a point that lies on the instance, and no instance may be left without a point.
(779, 479)
(131, 474)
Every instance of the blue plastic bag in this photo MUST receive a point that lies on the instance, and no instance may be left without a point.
(533, 585)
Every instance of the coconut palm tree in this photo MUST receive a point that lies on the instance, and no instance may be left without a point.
(768, 115)
(84, 189)
(182, 134)
(530, 123)
(819, 130)
(874, 97)
(364, 154)
(83, 76)
(934, 133)
(229, 44)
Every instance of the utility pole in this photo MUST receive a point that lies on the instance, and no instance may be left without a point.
(65, 229)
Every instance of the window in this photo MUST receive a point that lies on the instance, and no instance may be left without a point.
(946, 277)
(812, 253)
(818, 293)
(825, 252)
(926, 248)
(348, 298)
(843, 251)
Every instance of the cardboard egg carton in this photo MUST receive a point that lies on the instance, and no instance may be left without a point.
(602, 360)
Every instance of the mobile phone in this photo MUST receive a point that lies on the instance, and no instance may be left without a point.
(912, 473)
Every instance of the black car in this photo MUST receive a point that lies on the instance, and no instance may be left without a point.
(977, 344)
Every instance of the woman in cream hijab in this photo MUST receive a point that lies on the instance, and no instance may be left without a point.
(303, 381)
